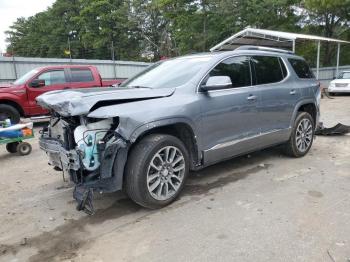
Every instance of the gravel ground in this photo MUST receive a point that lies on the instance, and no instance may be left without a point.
(260, 207)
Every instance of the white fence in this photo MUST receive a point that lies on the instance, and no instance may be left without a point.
(326, 74)
(12, 68)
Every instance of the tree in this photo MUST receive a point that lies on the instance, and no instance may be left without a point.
(330, 18)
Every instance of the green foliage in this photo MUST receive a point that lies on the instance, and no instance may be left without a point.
(151, 29)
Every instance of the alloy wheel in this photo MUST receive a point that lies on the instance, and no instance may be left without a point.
(165, 173)
(304, 135)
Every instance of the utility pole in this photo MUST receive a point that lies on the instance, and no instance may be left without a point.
(113, 59)
(70, 53)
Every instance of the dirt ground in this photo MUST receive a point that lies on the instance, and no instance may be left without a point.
(260, 207)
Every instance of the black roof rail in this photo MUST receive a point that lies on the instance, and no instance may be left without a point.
(263, 48)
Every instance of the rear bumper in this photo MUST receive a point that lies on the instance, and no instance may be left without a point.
(334, 89)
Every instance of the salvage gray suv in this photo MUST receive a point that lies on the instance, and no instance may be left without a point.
(179, 115)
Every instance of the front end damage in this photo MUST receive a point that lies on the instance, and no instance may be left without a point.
(90, 132)
(89, 151)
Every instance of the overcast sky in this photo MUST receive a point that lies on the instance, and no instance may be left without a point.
(10, 10)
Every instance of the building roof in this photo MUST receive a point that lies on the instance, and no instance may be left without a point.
(268, 38)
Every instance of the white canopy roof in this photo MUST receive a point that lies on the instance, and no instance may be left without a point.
(269, 38)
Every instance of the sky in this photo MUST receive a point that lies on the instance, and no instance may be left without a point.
(10, 10)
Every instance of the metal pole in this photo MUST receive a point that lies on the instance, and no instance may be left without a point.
(318, 59)
(70, 53)
(113, 59)
(14, 65)
(294, 46)
(338, 54)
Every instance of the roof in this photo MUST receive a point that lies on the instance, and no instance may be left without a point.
(267, 38)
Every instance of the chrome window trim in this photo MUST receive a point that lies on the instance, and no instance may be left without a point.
(251, 76)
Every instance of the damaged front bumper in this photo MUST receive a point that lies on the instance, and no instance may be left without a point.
(108, 177)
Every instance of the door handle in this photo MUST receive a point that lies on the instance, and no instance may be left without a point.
(251, 97)
(292, 92)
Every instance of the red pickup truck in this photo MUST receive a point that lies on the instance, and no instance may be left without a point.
(18, 99)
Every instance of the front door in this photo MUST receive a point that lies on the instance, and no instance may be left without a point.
(229, 116)
(55, 79)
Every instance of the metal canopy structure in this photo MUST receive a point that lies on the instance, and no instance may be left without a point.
(276, 39)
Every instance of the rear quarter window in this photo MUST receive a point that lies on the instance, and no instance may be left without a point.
(81, 75)
(301, 68)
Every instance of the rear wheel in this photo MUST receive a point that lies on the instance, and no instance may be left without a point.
(156, 170)
(302, 136)
(12, 147)
(7, 111)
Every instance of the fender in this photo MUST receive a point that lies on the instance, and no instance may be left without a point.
(8, 98)
(132, 134)
(162, 122)
(298, 105)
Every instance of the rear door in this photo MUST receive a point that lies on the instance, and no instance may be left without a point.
(55, 79)
(82, 77)
(229, 116)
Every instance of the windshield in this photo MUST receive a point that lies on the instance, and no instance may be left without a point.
(344, 75)
(25, 77)
(171, 73)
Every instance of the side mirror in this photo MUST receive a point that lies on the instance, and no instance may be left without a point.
(216, 83)
(37, 83)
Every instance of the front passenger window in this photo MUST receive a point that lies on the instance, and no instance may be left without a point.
(53, 77)
(237, 68)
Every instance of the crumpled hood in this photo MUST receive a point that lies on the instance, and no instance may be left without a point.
(80, 101)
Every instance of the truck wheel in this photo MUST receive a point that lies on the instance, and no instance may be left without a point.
(156, 170)
(7, 111)
(12, 147)
(302, 136)
(24, 148)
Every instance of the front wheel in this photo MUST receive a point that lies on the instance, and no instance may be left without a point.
(302, 136)
(156, 170)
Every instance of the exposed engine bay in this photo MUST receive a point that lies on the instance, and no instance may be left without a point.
(85, 149)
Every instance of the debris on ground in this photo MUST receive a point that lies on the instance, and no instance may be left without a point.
(24, 241)
(338, 129)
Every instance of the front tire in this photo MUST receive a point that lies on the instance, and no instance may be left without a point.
(302, 136)
(156, 170)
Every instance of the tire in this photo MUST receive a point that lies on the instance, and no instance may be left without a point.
(24, 148)
(12, 147)
(300, 149)
(147, 184)
(7, 111)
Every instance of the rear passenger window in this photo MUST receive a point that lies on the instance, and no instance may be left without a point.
(301, 68)
(268, 69)
(237, 68)
(81, 75)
